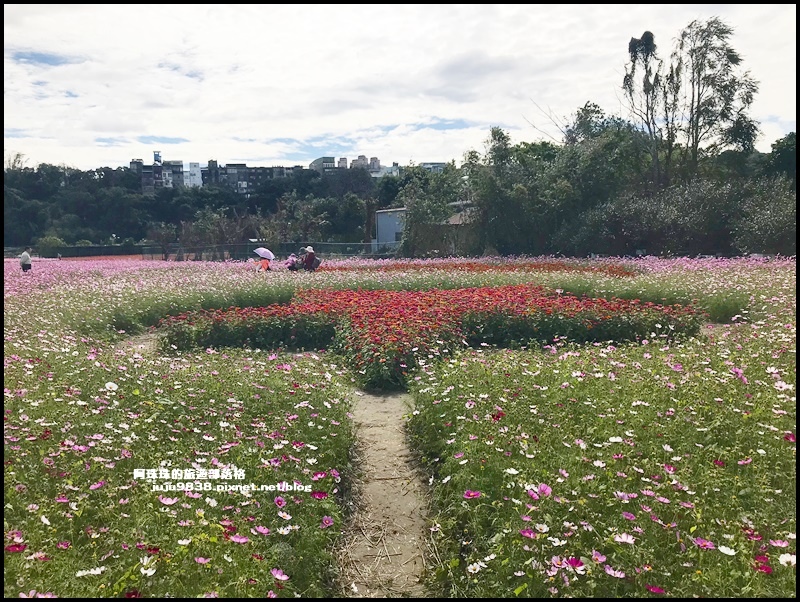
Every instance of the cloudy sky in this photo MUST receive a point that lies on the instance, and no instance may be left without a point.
(98, 85)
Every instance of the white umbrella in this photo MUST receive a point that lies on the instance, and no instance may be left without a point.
(265, 253)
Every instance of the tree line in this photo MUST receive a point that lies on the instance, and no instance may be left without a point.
(678, 175)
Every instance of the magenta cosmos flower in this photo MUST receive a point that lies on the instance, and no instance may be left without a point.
(469, 494)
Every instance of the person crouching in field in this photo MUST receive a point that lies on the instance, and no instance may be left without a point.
(310, 260)
(292, 263)
(25, 260)
(263, 265)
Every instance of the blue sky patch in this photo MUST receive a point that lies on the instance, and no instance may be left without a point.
(15, 133)
(111, 141)
(160, 140)
(42, 58)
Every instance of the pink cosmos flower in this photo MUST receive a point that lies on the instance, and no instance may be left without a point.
(280, 502)
(239, 539)
(63, 545)
(469, 494)
(624, 538)
(279, 575)
(628, 516)
(260, 530)
(327, 521)
(97, 485)
(319, 495)
(704, 544)
(544, 490)
(528, 533)
(167, 501)
(654, 589)
(598, 557)
(201, 560)
(745, 461)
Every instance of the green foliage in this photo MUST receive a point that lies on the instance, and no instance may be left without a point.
(783, 158)
(426, 197)
(48, 246)
(699, 217)
(768, 219)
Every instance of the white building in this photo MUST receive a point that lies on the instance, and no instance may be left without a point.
(388, 228)
(193, 178)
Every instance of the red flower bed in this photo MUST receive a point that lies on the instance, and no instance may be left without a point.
(383, 334)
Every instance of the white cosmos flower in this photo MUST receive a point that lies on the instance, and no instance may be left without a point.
(511, 471)
(787, 559)
(111, 386)
(727, 551)
(94, 571)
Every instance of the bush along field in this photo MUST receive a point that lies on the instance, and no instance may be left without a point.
(590, 429)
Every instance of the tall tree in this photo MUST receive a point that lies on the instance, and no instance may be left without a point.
(425, 203)
(645, 93)
(718, 94)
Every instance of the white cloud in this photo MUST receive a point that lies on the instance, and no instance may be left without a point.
(284, 84)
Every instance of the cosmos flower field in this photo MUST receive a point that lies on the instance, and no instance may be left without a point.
(594, 429)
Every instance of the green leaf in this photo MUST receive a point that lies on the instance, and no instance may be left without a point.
(520, 589)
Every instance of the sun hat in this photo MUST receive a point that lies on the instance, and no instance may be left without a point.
(310, 249)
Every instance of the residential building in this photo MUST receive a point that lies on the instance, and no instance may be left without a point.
(433, 167)
(241, 178)
(323, 164)
(194, 177)
(360, 162)
(172, 174)
(394, 170)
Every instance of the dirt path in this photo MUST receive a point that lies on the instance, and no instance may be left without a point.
(382, 549)
(382, 552)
